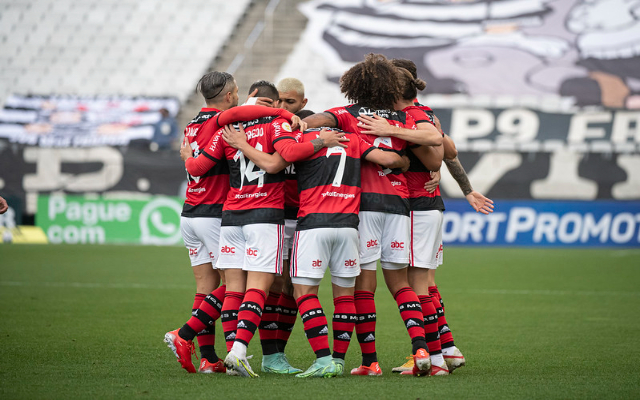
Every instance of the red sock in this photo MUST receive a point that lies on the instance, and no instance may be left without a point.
(269, 325)
(366, 325)
(207, 336)
(208, 311)
(249, 315)
(411, 314)
(229, 316)
(344, 320)
(446, 338)
(430, 318)
(287, 310)
(315, 324)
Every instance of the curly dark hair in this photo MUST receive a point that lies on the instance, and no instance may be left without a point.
(409, 85)
(372, 82)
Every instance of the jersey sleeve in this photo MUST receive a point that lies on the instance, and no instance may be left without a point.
(419, 115)
(208, 158)
(336, 113)
(248, 113)
(365, 147)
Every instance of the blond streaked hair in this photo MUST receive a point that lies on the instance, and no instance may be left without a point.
(291, 84)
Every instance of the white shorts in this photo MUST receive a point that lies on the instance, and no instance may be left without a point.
(384, 237)
(426, 239)
(289, 230)
(201, 237)
(315, 249)
(254, 247)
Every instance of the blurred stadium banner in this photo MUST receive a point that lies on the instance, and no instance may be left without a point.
(80, 219)
(545, 223)
(81, 121)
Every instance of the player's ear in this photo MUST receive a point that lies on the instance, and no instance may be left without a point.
(304, 103)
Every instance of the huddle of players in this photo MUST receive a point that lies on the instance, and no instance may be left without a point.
(241, 202)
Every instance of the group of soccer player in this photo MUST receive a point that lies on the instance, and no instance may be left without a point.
(274, 200)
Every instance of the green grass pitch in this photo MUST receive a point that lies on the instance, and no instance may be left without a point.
(88, 322)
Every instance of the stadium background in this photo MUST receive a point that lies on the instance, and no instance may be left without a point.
(542, 98)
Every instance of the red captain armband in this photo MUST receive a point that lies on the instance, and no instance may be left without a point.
(248, 113)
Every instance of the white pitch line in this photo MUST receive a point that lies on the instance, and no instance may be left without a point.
(86, 285)
(545, 292)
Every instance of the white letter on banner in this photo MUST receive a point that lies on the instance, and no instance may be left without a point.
(579, 129)
(563, 228)
(620, 219)
(592, 229)
(489, 169)
(563, 181)
(57, 205)
(518, 125)
(629, 189)
(493, 223)
(54, 233)
(472, 225)
(462, 127)
(546, 226)
(521, 219)
(622, 123)
(451, 219)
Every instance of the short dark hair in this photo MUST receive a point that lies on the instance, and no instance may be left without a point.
(409, 85)
(214, 84)
(302, 114)
(265, 89)
(372, 82)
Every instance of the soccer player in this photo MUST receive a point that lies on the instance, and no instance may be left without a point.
(327, 236)
(426, 220)
(201, 219)
(291, 95)
(384, 211)
(252, 222)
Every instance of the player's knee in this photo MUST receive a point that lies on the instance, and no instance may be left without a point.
(345, 282)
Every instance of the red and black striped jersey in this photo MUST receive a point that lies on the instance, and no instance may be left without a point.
(205, 193)
(383, 190)
(255, 196)
(418, 174)
(329, 184)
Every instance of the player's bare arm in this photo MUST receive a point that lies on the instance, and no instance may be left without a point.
(387, 159)
(271, 163)
(426, 134)
(320, 119)
(477, 200)
(450, 151)
(429, 156)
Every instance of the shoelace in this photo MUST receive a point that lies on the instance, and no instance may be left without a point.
(192, 349)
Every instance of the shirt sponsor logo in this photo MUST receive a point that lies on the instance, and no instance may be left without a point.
(336, 194)
(197, 190)
(249, 195)
(190, 131)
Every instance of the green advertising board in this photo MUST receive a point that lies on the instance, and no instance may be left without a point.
(78, 219)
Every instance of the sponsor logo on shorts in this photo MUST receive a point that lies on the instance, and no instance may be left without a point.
(228, 250)
(350, 263)
(439, 252)
(316, 264)
(193, 252)
(252, 252)
(211, 256)
(397, 245)
(372, 243)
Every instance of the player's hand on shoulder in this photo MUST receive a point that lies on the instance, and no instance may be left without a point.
(259, 101)
(297, 123)
(234, 137)
(331, 138)
(374, 125)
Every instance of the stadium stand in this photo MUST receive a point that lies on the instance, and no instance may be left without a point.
(125, 47)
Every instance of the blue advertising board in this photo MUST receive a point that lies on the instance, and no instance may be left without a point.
(544, 223)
